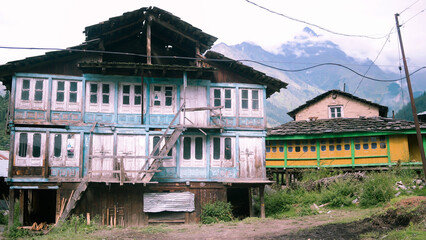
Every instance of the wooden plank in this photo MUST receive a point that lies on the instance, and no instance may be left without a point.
(46, 156)
(148, 40)
(11, 206)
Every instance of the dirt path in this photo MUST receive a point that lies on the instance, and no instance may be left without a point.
(252, 228)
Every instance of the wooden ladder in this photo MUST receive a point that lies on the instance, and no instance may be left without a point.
(156, 163)
(74, 198)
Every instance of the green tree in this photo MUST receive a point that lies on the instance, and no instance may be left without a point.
(4, 136)
(407, 114)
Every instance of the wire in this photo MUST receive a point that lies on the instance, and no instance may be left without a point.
(314, 25)
(409, 7)
(373, 62)
(213, 60)
(415, 15)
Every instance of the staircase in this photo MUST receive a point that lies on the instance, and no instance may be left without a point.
(156, 163)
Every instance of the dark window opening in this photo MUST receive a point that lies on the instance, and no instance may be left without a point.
(57, 145)
(228, 148)
(216, 148)
(23, 143)
(198, 148)
(36, 145)
(186, 148)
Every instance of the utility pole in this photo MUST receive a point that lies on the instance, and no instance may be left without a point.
(413, 106)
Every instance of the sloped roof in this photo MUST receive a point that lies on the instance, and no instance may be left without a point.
(272, 84)
(383, 110)
(125, 24)
(342, 125)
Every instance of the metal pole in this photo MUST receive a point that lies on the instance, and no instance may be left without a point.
(413, 106)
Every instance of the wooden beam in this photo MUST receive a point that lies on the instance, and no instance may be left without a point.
(11, 207)
(262, 201)
(21, 206)
(148, 40)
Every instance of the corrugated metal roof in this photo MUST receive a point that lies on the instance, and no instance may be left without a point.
(4, 164)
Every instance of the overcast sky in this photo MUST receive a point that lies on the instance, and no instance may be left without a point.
(60, 24)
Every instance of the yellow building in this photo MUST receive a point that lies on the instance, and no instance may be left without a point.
(329, 133)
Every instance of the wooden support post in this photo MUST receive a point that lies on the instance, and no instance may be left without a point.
(11, 207)
(262, 201)
(148, 40)
(287, 179)
(122, 171)
(21, 206)
(251, 206)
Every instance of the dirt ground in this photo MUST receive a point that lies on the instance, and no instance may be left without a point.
(337, 224)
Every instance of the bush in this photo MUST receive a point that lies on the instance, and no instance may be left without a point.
(3, 218)
(340, 193)
(216, 212)
(377, 188)
(277, 202)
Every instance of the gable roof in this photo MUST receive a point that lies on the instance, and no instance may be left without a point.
(383, 110)
(342, 125)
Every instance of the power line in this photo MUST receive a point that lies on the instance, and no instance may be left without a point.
(213, 60)
(314, 25)
(415, 15)
(409, 7)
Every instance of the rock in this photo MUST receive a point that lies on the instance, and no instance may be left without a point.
(397, 194)
(413, 187)
(355, 201)
(418, 181)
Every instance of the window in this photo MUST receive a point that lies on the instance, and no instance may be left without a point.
(313, 148)
(193, 151)
(23, 143)
(365, 146)
(222, 149)
(357, 146)
(274, 149)
(339, 147)
(155, 140)
(100, 97)
(216, 148)
(66, 95)
(60, 93)
(130, 98)
(347, 147)
(73, 92)
(70, 146)
(290, 149)
(37, 145)
(31, 93)
(57, 145)
(187, 148)
(323, 148)
(335, 111)
(382, 145)
(297, 149)
(38, 95)
(228, 148)
(268, 149)
(198, 148)
(223, 97)
(25, 94)
(162, 99)
(305, 149)
(250, 102)
(331, 147)
(373, 145)
(281, 149)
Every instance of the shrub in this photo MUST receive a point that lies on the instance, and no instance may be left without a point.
(339, 193)
(216, 212)
(277, 202)
(377, 188)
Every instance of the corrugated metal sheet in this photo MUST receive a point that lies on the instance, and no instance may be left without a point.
(174, 202)
(4, 164)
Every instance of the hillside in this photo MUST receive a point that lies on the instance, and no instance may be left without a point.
(406, 112)
(305, 51)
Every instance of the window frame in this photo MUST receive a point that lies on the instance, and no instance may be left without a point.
(100, 106)
(29, 160)
(333, 110)
(192, 161)
(31, 94)
(162, 108)
(222, 161)
(250, 111)
(132, 107)
(223, 99)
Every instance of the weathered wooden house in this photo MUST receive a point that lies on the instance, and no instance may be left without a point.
(339, 130)
(135, 125)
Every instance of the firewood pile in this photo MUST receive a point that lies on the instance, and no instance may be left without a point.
(36, 227)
